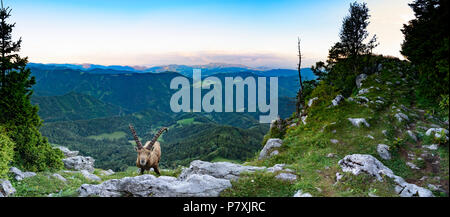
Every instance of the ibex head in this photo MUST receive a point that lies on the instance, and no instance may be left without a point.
(147, 153)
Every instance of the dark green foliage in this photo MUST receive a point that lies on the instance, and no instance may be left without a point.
(426, 45)
(18, 115)
(73, 106)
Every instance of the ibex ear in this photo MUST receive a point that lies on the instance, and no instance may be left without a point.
(136, 148)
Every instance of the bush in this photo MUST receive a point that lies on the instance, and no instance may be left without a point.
(6, 153)
(33, 152)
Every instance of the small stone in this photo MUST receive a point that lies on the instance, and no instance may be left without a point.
(412, 166)
(90, 176)
(432, 147)
(301, 194)
(358, 121)
(334, 141)
(286, 177)
(383, 151)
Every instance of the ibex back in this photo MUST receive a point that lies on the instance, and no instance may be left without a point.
(149, 155)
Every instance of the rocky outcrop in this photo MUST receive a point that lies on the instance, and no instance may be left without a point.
(67, 152)
(201, 179)
(164, 186)
(224, 170)
(269, 148)
(74, 162)
(19, 175)
(358, 163)
(6, 189)
(79, 163)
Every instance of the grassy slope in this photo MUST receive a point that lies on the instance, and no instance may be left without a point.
(306, 147)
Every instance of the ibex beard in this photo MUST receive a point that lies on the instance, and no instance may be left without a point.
(149, 155)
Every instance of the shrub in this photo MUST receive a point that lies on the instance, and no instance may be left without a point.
(6, 153)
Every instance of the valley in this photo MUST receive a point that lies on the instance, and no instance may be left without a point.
(90, 112)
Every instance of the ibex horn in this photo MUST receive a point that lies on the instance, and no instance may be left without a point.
(161, 131)
(136, 138)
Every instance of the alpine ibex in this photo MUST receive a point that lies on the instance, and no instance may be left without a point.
(150, 154)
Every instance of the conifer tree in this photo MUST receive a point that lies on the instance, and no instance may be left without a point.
(18, 116)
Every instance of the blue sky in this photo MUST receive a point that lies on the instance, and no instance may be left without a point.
(138, 32)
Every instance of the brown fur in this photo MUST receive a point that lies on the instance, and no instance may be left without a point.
(150, 154)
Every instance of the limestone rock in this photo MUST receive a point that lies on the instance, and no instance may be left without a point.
(358, 163)
(19, 175)
(301, 194)
(79, 163)
(358, 121)
(359, 79)
(270, 145)
(6, 189)
(286, 177)
(90, 176)
(401, 117)
(437, 132)
(67, 152)
(383, 151)
(164, 186)
(336, 101)
(311, 101)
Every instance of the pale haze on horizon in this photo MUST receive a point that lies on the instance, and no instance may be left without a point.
(136, 32)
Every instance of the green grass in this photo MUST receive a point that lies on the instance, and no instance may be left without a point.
(109, 136)
(186, 121)
(44, 184)
(259, 184)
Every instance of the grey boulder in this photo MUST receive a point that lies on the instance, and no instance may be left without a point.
(6, 189)
(19, 175)
(383, 151)
(67, 152)
(79, 163)
(151, 186)
(358, 163)
(271, 144)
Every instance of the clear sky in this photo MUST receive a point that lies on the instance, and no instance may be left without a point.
(150, 32)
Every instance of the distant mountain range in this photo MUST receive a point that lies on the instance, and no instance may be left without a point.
(186, 70)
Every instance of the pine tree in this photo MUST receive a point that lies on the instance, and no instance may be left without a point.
(426, 45)
(353, 35)
(17, 114)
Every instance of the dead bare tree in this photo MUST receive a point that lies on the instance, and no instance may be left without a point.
(299, 93)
